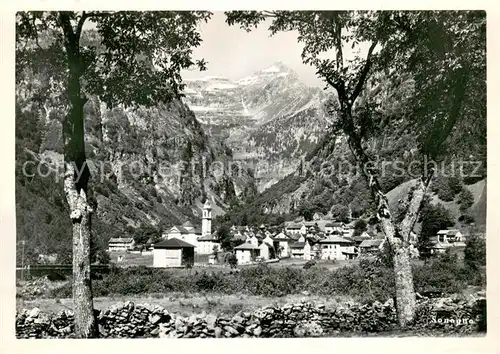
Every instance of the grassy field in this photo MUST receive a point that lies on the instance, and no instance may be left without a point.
(185, 304)
(299, 263)
(131, 259)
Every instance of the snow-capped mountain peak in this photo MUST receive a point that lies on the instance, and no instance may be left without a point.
(269, 114)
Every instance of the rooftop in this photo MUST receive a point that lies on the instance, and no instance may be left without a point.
(121, 240)
(246, 246)
(448, 232)
(334, 224)
(298, 245)
(173, 243)
(212, 237)
(335, 239)
(371, 243)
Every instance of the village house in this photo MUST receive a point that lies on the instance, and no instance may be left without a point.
(252, 239)
(449, 236)
(247, 253)
(207, 243)
(446, 239)
(337, 247)
(296, 229)
(266, 251)
(188, 234)
(284, 242)
(347, 231)
(302, 249)
(173, 253)
(334, 228)
(371, 246)
(121, 244)
(359, 239)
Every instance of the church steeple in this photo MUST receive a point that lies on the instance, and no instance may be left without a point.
(206, 222)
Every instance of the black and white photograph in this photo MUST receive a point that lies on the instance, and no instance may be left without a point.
(250, 174)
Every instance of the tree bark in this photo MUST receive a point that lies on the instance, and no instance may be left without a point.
(75, 187)
(80, 213)
(405, 297)
(76, 177)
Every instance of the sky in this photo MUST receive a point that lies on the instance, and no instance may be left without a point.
(233, 53)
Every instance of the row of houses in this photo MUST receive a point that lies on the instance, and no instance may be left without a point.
(305, 240)
(289, 245)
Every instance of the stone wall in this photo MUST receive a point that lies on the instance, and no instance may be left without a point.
(127, 320)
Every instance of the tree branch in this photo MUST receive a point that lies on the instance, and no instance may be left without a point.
(80, 24)
(363, 74)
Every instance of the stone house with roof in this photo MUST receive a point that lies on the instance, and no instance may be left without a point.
(247, 252)
(296, 229)
(445, 239)
(207, 243)
(283, 244)
(172, 253)
(334, 228)
(371, 246)
(337, 247)
(120, 244)
(302, 249)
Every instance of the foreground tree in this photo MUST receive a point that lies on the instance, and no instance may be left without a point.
(443, 55)
(131, 59)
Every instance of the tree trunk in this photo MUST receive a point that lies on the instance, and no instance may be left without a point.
(85, 324)
(405, 297)
(75, 187)
(400, 247)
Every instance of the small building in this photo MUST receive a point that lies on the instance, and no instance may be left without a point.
(301, 250)
(120, 244)
(371, 246)
(251, 238)
(283, 247)
(265, 251)
(297, 229)
(187, 234)
(449, 236)
(207, 243)
(334, 228)
(247, 253)
(359, 239)
(337, 247)
(446, 239)
(173, 253)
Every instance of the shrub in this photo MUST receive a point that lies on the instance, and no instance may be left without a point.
(442, 274)
(466, 218)
(369, 281)
(231, 259)
(465, 199)
(309, 264)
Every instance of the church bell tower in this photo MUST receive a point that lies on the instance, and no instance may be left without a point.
(206, 222)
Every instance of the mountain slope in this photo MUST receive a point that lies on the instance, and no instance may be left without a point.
(270, 119)
(151, 166)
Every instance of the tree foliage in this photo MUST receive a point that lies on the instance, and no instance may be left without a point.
(359, 226)
(433, 218)
(475, 252)
(131, 58)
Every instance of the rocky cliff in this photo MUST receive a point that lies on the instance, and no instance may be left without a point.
(150, 166)
(270, 119)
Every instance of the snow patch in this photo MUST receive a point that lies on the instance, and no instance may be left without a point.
(204, 109)
(222, 86)
(272, 69)
(247, 80)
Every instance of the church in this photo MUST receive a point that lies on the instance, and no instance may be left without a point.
(202, 239)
